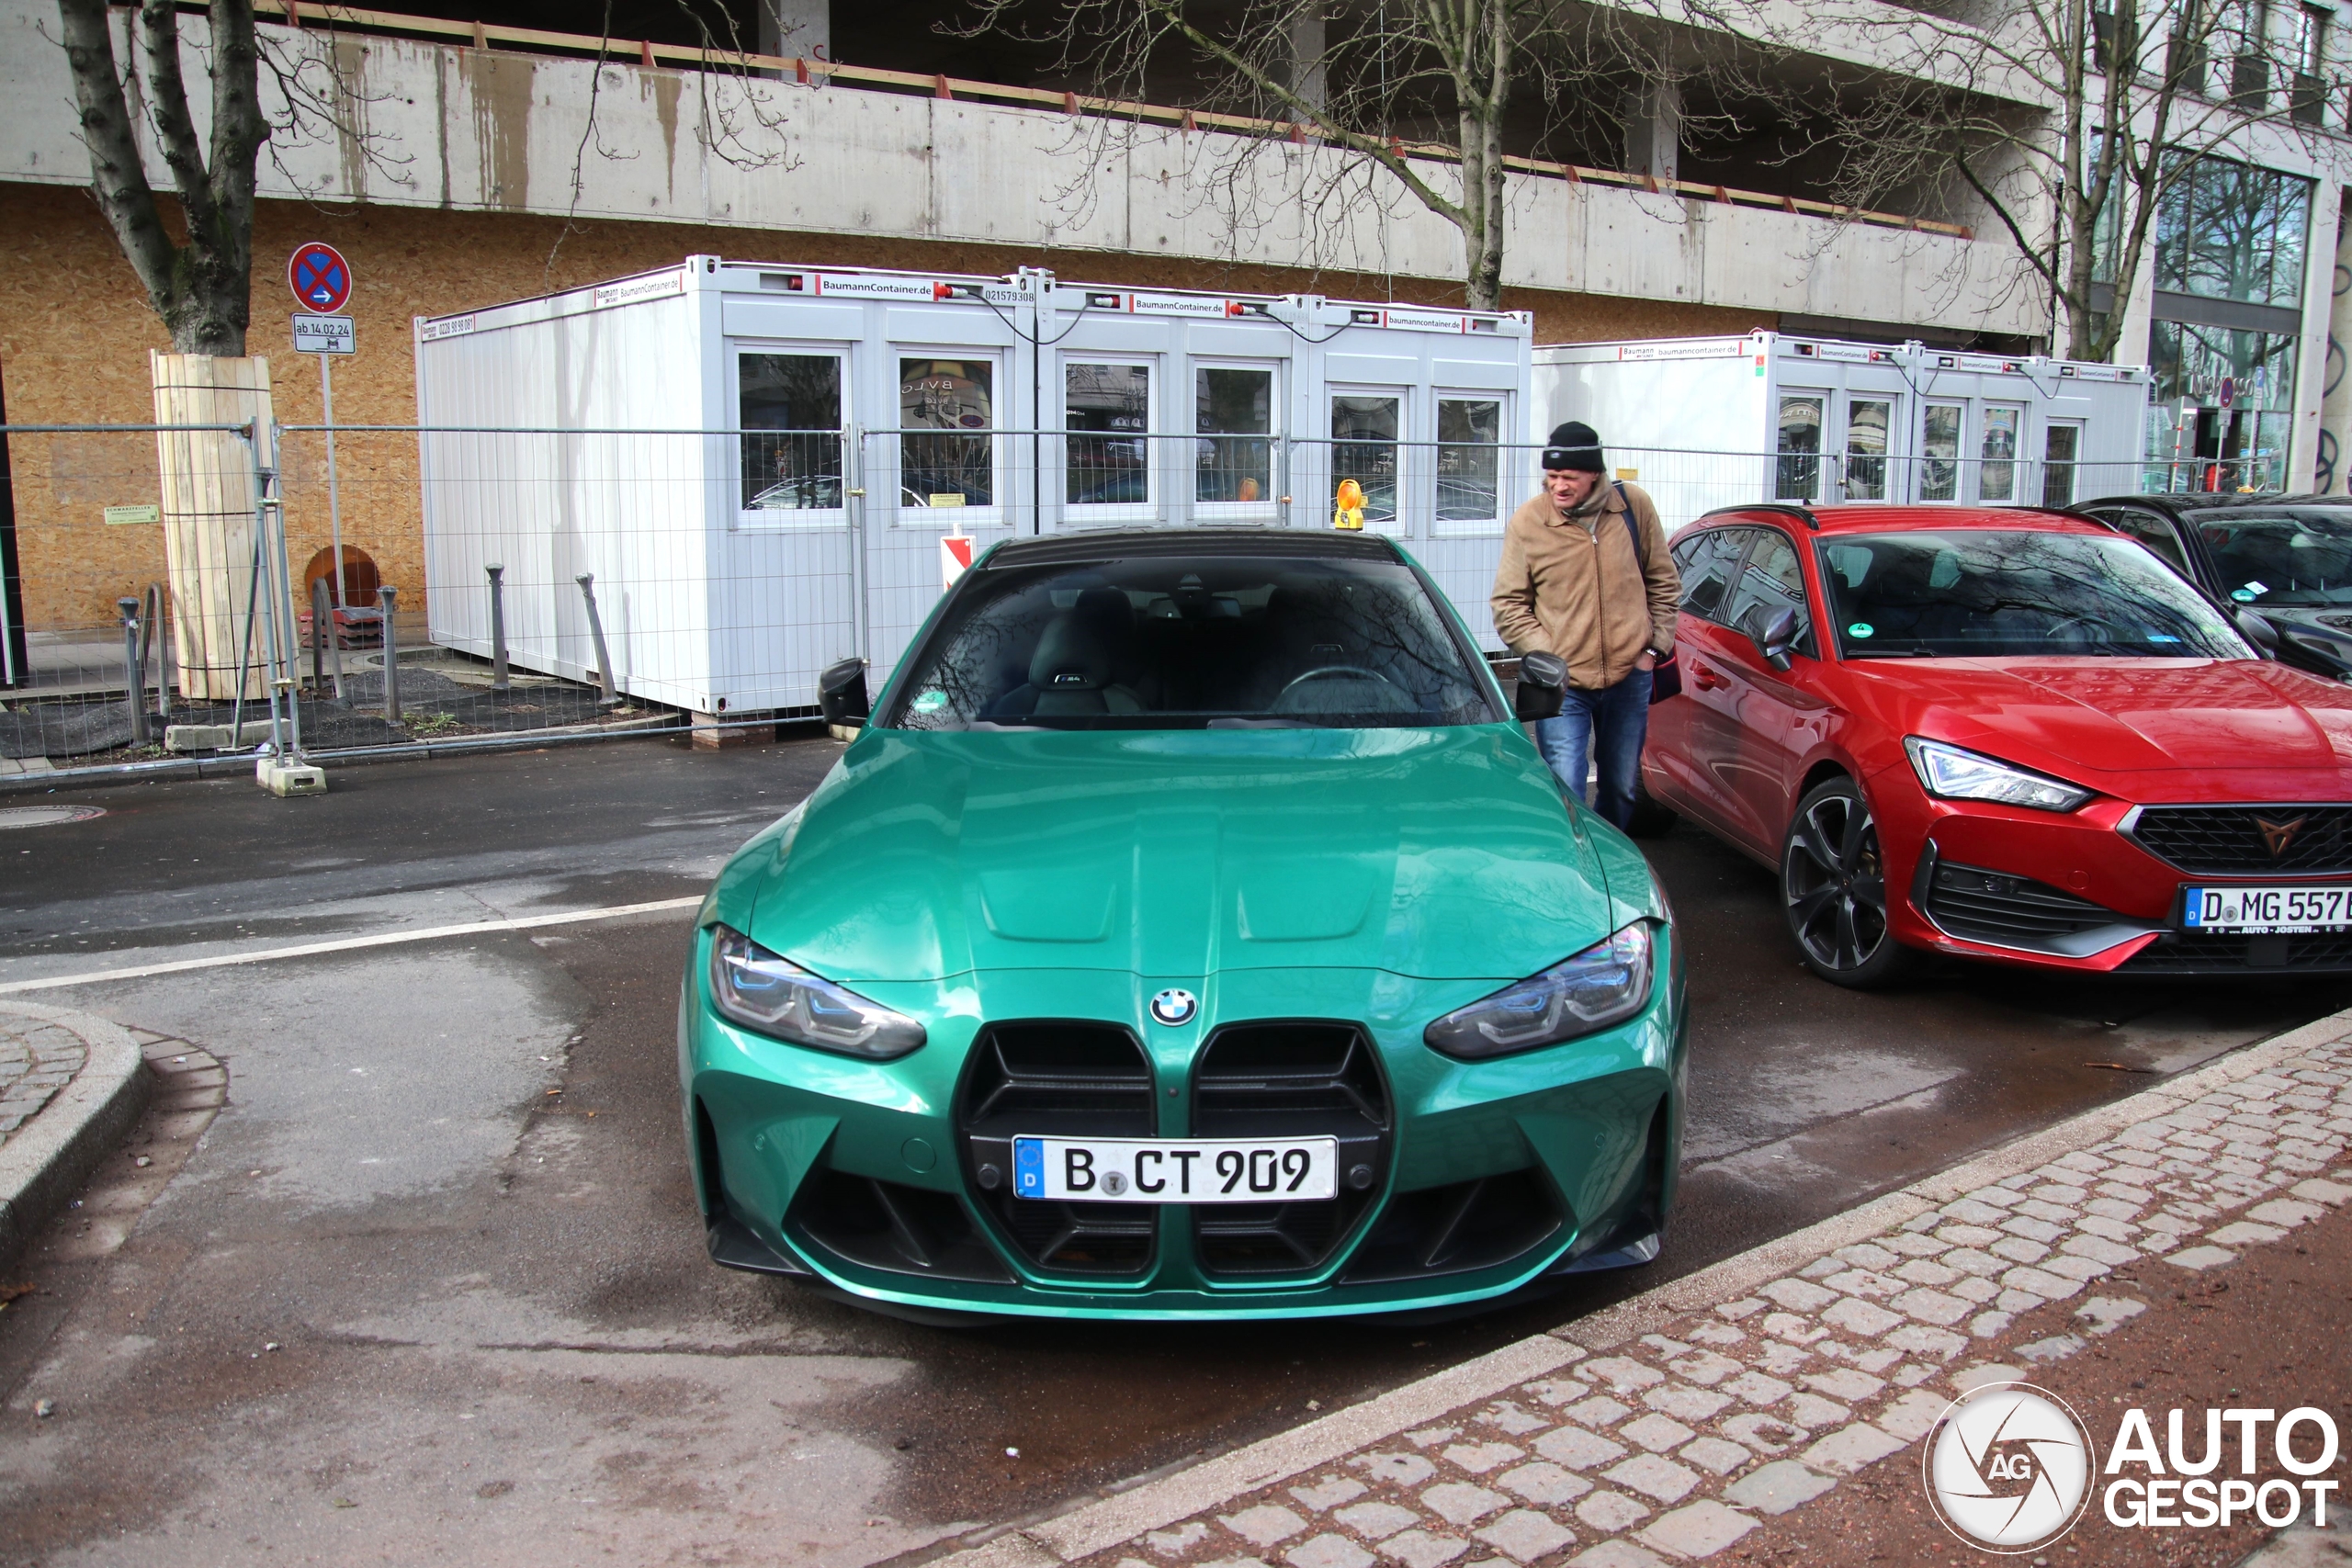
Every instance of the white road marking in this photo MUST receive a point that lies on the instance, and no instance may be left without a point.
(347, 945)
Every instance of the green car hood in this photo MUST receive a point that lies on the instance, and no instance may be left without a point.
(1436, 853)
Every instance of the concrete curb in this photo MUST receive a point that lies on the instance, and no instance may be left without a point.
(1091, 1527)
(47, 1158)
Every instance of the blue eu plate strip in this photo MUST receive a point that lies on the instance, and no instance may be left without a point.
(1028, 1167)
(2192, 906)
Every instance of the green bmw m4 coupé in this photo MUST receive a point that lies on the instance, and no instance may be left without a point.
(1192, 933)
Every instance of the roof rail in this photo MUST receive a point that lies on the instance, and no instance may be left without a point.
(1784, 508)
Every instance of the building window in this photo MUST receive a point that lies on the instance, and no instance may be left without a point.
(1469, 461)
(2220, 409)
(1939, 448)
(1799, 469)
(946, 395)
(2228, 230)
(789, 408)
(1867, 420)
(1363, 448)
(1107, 410)
(1234, 413)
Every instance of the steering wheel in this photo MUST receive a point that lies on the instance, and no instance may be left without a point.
(1320, 670)
(2102, 632)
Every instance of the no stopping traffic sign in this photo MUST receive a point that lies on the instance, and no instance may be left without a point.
(319, 277)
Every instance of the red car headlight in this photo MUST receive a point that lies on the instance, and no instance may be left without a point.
(1955, 775)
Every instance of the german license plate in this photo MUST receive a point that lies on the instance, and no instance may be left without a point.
(2266, 908)
(1161, 1171)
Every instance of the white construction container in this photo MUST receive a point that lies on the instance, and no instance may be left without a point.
(1704, 422)
(757, 461)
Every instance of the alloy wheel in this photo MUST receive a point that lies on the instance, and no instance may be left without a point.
(1834, 883)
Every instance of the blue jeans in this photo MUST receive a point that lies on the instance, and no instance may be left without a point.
(1620, 715)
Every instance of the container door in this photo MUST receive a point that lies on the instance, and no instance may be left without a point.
(1868, 420)
(1941, 421)
(1234, 404)
(1470, 428)
(2000, 443)
(1801, 418)
(2061, 455)
(1107, 474)
(1367, 431)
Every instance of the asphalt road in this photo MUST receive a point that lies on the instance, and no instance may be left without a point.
(449, 1188)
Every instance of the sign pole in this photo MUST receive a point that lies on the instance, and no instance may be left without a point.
(335, 501)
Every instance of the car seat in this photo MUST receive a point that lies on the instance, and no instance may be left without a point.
(1071, 673)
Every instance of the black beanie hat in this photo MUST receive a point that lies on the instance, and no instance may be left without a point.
(1575, 448)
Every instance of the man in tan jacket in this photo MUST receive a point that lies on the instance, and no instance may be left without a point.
(1585, 574)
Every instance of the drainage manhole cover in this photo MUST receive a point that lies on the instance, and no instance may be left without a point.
(47, 815)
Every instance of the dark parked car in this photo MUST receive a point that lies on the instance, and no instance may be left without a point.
(2288, 559)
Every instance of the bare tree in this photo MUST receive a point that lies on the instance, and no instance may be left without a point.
(2071, 126)
(202, 290)
(274, 92)
(1405, 90)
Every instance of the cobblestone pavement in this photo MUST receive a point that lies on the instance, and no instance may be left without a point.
(37, 1059)
(1672, 1444)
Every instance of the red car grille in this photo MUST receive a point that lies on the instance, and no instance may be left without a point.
(2247, 840)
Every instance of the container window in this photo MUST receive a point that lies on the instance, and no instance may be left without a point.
(1234, 416)
(1469, 459)
(1866, 421)
(1997, 478)
(1939, 448)
(1107, 410)
(790, 409)
(1799, 467)
(1363, 448)
(2061, 449)
(955, 398)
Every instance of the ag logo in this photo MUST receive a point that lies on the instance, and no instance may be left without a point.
(2009, 1468)
(1174, 1006)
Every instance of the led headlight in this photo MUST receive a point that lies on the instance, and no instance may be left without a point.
(1955, 775)
(1607, 983)
(756, 988)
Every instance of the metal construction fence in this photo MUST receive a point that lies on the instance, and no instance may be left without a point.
(373, 588)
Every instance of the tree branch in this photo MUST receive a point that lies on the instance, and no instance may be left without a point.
(117, 176)
(1171, 15)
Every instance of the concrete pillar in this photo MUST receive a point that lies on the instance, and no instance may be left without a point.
(796, 29)
(2326, 377)
(1306, 43)
(1654, 131)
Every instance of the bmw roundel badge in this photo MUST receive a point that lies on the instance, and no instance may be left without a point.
(1174, 1006)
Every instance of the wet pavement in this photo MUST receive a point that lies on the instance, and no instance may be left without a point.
(448, 1187)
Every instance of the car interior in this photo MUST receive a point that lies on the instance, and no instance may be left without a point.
(2294, 561)
(2013, 594)
(1189, 641)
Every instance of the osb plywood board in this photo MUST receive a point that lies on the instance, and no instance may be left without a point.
(75, 332)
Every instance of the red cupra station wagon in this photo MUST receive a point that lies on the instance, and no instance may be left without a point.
(2004, 734)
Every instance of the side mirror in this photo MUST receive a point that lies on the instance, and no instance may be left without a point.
(1775, 637)
(1542, 686)
(841, 694)
(2259, 632)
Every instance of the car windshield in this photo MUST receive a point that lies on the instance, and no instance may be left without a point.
(2302, 557)
(1990, 594)
(1161, 642)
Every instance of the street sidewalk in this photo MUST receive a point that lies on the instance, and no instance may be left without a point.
(1771, 1408)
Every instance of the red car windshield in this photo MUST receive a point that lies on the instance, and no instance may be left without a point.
(1968, 595)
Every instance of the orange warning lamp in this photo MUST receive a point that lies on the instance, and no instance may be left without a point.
(1350, 506)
